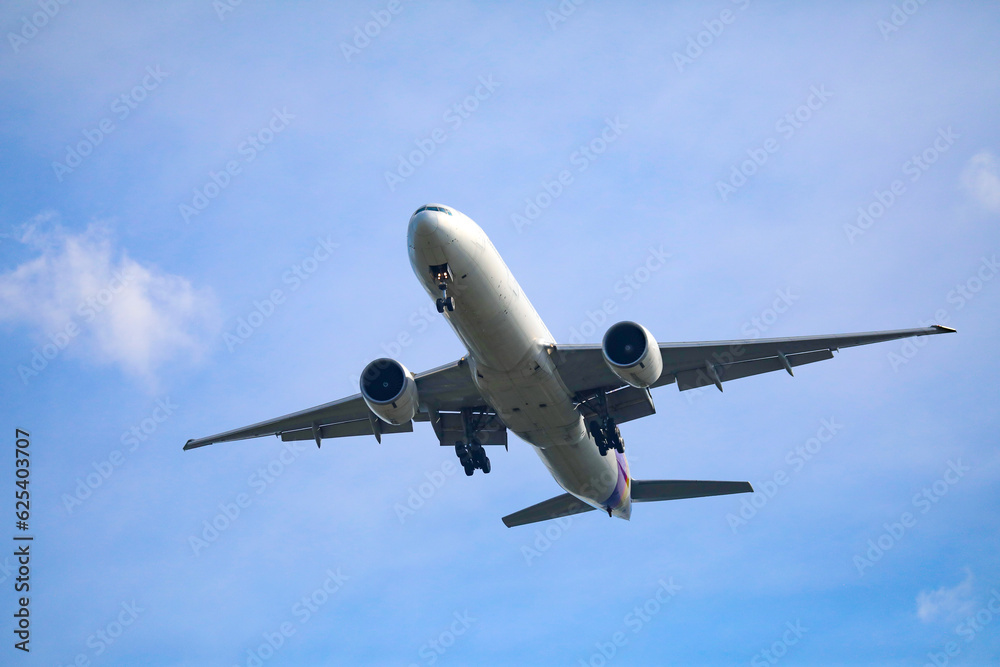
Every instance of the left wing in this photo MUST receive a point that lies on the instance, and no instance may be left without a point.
(446, 388)
(553, 508)
(692, 365)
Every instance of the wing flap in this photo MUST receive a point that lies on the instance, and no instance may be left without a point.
(623, 404)
(630, 403)
(553, 508)
(345, 430)
(701, 377)
(450, 428)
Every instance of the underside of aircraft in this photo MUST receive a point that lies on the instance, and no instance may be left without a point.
(566, 401)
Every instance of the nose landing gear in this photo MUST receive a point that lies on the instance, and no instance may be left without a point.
(442, 276)
(445, 301)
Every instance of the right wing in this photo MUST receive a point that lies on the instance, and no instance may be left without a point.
(447, 388)
(693, 365)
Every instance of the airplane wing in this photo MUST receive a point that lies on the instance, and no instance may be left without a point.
(449, 389)
(692, 365)
(446, 388)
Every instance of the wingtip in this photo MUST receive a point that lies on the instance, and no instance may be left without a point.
(188, 445)
(944, 329)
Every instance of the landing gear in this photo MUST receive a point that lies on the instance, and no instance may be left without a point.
(472, 457)
(602, 426)
(598, 434)
(442, 276)
(447, 302)
(607, 436)
(613, 435)
(478, 428)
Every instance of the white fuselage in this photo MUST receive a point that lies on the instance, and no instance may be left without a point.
(509, 356)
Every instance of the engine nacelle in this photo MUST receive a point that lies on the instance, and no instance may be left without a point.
(632, 354)
(389, 391)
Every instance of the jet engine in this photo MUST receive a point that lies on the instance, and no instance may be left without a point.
(632, 354)
(389, 391)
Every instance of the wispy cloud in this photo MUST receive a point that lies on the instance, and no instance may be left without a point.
(946, 603)
(982, 179)
(84, 292)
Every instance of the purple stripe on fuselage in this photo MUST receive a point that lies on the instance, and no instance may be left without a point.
(617, 496)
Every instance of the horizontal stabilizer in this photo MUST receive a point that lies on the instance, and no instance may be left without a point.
(643, 491)
(553, 508)
(675, 489)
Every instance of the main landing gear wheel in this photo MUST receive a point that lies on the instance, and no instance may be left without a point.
(445, 301)
(598, 434)
(472, 457)
(607, 437)
(614, 437)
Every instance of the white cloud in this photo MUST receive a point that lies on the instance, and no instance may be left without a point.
(122, 312)
(946, 603)
(982, 179)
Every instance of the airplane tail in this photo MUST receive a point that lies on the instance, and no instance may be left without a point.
(643, 491)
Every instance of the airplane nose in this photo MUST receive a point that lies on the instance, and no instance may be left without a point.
(433, 225)
(424, 224)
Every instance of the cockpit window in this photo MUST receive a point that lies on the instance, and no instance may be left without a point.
(439, 209)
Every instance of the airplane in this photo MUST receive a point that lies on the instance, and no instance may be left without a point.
(567, 401)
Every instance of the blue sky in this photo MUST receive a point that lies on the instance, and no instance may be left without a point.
(170, 170)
